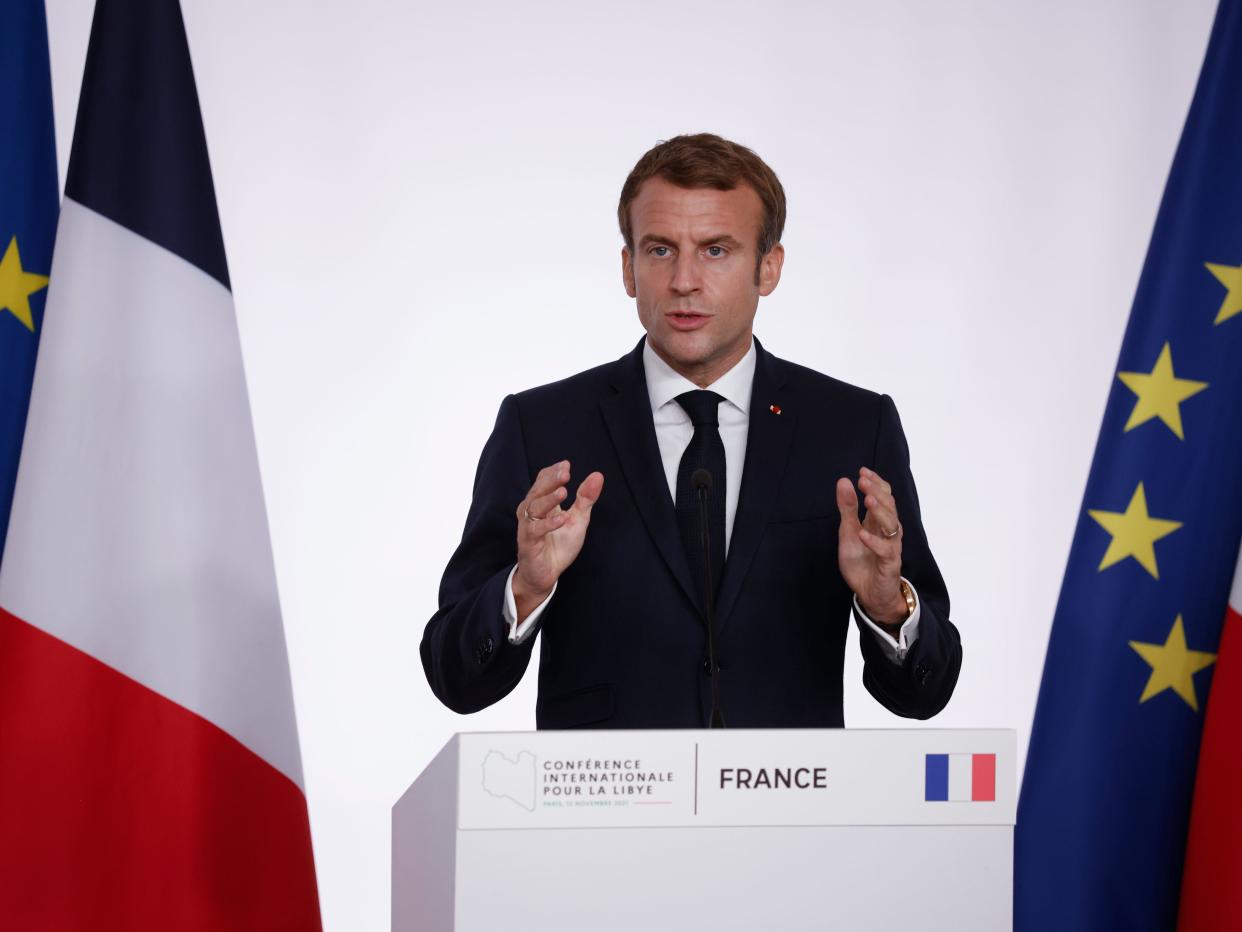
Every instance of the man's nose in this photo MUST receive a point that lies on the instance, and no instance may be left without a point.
(686, 274)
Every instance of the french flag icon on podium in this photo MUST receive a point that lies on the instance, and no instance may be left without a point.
(961, 778)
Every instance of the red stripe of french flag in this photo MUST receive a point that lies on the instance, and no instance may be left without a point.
(126, 810)
(1210, 901)
(983, 778)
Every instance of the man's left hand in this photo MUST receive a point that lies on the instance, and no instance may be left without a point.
(869, 551)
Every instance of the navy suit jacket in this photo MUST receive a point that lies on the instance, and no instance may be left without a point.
(623, 643)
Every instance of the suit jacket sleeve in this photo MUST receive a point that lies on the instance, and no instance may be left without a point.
(920, 687)
(465, 650)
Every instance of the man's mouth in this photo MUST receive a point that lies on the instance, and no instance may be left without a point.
(687, 320)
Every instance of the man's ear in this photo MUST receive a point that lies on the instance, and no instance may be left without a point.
(770, 270)
(627, 272)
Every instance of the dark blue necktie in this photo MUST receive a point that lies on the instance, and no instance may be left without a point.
(706, 451)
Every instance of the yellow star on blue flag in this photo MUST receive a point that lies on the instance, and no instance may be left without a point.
(17, 285)
(1160, 394)
(1231, 277)
(1173, 665)
(1134, 533)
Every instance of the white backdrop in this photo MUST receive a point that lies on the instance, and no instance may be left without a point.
(418, 207)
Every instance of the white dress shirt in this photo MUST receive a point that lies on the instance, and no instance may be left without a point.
(673, 432)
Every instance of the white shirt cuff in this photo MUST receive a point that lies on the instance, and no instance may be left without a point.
(895, 649)
(520, 632)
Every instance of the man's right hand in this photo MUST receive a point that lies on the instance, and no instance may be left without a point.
(549, 538)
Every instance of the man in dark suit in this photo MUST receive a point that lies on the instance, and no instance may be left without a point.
(622, 584)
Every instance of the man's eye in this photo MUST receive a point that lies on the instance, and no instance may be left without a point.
(716, 252)
(660, 251)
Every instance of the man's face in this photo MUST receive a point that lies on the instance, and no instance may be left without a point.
(693, 273)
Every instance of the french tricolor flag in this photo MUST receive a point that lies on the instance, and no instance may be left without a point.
(150, 775)
(961, 778)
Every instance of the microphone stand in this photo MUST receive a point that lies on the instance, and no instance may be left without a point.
(701, 479)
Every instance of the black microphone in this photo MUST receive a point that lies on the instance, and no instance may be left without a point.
(701, 482)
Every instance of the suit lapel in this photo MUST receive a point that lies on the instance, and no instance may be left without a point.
(627, 414)
(767, 451)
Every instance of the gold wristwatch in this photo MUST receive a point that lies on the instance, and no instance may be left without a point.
(908, 594)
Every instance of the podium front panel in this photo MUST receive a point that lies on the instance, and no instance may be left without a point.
(776, 829)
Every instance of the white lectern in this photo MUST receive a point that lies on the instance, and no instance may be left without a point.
(716, 830)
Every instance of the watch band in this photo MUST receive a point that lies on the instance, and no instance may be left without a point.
(908, 594)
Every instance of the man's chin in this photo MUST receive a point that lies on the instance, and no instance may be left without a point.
(686, 350)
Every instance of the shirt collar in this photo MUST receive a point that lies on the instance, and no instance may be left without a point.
(664, 383)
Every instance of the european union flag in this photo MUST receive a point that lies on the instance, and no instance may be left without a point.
(1105, 801)
(29, 205)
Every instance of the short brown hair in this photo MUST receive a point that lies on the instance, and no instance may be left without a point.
(705, 160)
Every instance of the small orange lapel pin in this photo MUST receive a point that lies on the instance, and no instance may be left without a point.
(775, 409)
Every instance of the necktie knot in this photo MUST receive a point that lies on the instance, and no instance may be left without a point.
(702, 406)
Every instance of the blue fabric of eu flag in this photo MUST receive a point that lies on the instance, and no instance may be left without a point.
(1106, 797)
(29, 207)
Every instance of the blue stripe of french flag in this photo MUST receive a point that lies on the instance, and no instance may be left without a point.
(961, 777)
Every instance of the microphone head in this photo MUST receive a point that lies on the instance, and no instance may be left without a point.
(701, 479)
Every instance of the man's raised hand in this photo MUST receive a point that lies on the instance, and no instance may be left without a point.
(549, 537)
(869, 552)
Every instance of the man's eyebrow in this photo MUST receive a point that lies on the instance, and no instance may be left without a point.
(718, 239)
(651, 238)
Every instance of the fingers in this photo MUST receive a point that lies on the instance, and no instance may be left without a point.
(588, 493)
(542, 497)
(536, 528)
(548, 479)
(538, 513)
(545, 505)
(877, 533)
(881, 507)
(847, 503)
(882, 517)
(872, 481)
